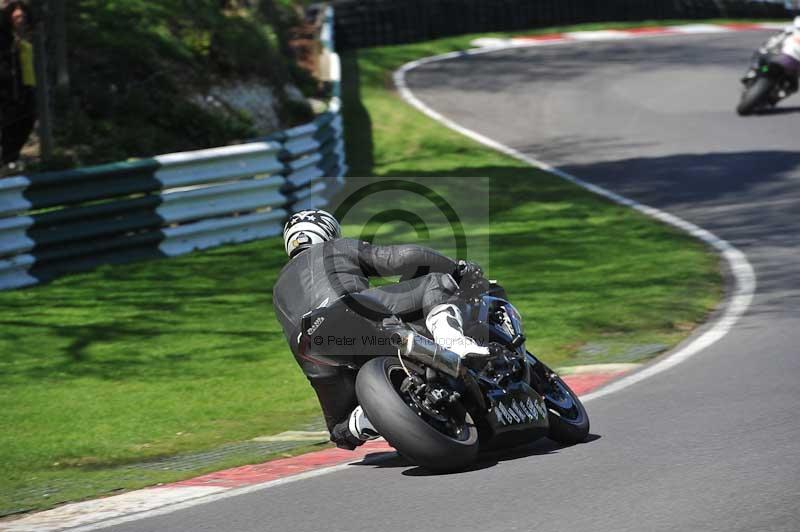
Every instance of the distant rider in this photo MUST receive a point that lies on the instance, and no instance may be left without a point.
(785, 47)
(312, 239)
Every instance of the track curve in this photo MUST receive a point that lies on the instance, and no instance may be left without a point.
(710, 444)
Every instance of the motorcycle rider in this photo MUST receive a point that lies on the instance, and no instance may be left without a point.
(323, 266)
(785, 47)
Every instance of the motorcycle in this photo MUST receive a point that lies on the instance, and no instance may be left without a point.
(434, 408)
(767, 82)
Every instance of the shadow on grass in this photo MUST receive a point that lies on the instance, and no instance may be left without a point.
(132, 306)
(357, 121)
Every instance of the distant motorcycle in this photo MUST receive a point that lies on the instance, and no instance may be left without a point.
(768, 81)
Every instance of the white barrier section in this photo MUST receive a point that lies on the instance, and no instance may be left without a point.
(235, 197)
(210, 233)
(219, 164)
(11, 199)
(14, 272)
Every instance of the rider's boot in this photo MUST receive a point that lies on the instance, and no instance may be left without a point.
(447, 327)
(360, 426)
(354, 430)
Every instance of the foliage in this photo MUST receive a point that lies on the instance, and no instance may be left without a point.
(137, 64)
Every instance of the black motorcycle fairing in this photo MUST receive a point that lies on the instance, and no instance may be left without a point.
(516, 413)
(491, 318)
(773, 69)
(499, 397)
(356, 326)
(348, 332)
(765, 65)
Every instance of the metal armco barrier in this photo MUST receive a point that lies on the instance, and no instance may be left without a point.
(361, 23)
(56, 223)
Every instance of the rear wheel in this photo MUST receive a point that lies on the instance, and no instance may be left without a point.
(755, 95)
(439, 439)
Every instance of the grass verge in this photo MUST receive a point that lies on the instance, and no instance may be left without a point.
(129, 363)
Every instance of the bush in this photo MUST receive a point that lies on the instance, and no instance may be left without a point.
(137, 66)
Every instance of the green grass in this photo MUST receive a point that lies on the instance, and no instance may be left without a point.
(134, 362)
(142, 361)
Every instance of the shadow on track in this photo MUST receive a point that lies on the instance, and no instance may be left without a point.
(697, 177)
(749, 198)
(778, 111)
(486, 460)
(567, 63)
(763, 183)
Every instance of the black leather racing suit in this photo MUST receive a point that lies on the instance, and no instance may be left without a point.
(325, 272)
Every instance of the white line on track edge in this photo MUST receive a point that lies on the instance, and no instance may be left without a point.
(740, 268)
(233, 492)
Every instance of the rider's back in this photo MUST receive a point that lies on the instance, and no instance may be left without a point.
(315, 277)
(328, 270)
(791, 45)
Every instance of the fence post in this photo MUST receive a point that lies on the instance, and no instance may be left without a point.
(43, 95)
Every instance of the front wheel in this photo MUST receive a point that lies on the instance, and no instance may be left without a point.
(569, 422)
(755, 95)
(439, 440)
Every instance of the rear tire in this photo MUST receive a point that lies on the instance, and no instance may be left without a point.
(754, 96)
(377, 387)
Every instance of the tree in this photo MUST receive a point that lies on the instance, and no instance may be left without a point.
(59, 42)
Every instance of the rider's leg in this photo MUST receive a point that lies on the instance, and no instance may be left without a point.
(354, 430)
(413, 299)
(447, 327)
(347, 423)
(791, 66)
(359, 425)
(434, 297)
(794, 72)
(335, 387)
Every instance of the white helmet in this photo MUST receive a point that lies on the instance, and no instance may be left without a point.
(306, 228)
(796, 23)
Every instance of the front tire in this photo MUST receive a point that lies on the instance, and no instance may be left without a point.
(406, 429)
(569, 422)
(754, 96)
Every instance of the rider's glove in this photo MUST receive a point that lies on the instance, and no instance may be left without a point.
(468, 271)
(497, 349)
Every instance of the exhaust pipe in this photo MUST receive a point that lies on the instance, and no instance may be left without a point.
(427, 352)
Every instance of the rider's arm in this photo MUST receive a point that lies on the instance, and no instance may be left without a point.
(774, 42)
(405, 260)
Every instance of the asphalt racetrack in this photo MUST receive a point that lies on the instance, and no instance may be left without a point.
(711, 444)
